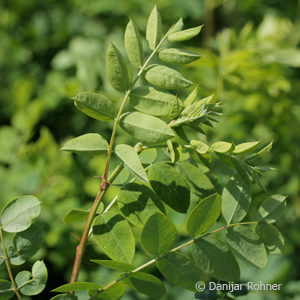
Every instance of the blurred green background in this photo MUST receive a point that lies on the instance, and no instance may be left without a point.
(50, 50)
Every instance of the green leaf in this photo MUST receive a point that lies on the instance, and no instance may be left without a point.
(192, 97)
(64, 297)
(170, 186)
(147, 129)
(201, 111)
(184, 35)
(95, 106)
(260, 152)
(75, 215)
(222, 147)
(137, 203)
(132, 162)
(28, 242)
(117, 69)
(178, 269)
(177, 56)
(114, 236)
(114, 265)
(204, 215)
(236, 202)
(200, 147)
(237, 164)
(133, 45)
(6, 290)
(14, 257)
(18, 214)
(154, 28)
(152, 101)
(146, 284)
(197, 178)
(175, 109)
(36, 283)
(214, 257)
(166, 78)
(175, 151)
(271, 237)
(245, 147)
(177, 26)
(271, 208)
(77, 286)
(87, 143)
(158, 235)
(246, 243)
(115, 292)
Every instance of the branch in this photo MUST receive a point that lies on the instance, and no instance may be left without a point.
(103, 186)
(152, 261)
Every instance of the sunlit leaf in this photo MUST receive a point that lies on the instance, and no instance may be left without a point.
(87, 143)
(18, 214)
(131, 160)
(166, 78)
(95, 106)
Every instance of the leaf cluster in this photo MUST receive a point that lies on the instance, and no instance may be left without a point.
(25, 239)
(179, 182)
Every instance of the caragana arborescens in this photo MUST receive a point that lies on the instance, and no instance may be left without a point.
(180, 180)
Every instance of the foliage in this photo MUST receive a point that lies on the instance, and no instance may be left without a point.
(53, 50)
(16, 218)
(115, 230)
